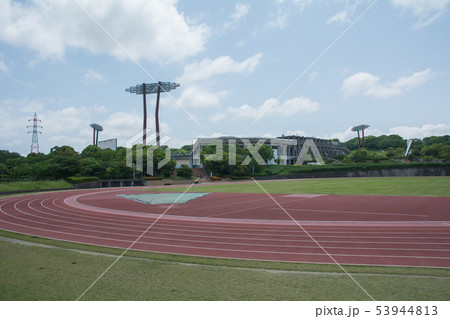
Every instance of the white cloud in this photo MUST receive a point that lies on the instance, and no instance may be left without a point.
(196, 80)
(279, 21)
(296, 132)
(213, 135)
(239, 13)
(270, 107)
(51, 27)
(426, 12)
(3, 67)
(206, 69)
(421, 131)
(344, 16)
(313, 76)
(64, 125)
(303, 3)
(268, 135)
(199, 97)
(368, 84)
(92, 75)
(279, 17)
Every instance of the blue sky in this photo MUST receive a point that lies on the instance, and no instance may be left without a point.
(245, 68)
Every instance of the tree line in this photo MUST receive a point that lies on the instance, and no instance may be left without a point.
(63, 162)
(384, 147)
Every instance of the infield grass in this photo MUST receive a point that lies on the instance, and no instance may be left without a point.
(391, 186)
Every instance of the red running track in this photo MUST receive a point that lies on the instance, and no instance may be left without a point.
(364, 230)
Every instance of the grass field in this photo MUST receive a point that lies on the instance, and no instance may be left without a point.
(33, 185)
(398, 186)
(62, 271)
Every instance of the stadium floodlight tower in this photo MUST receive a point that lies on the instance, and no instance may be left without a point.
(361, 128)
(97, 128)
(151, 88)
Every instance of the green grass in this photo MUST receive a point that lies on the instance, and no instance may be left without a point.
(33, 185)
(36, 273)
(398, 186)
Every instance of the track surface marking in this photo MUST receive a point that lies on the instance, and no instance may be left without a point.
(364, 230)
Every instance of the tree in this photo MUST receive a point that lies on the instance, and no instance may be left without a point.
(168, 168)
(445, 140)
(431, 150)
(62, 162)
(92, 151)
(118, 170)
(216, 165)
(444, 152)
(107, 155)
(184, 171)
(266, 152)
(91, 167)
(5, 155)
(359, 155)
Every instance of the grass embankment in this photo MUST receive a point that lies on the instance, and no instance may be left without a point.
(394, 186)
(37, 273)
(33, 185)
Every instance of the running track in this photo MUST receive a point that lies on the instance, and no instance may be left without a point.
(364, 230)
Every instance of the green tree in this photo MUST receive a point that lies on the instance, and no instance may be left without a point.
(91, 167)
(118, 170)
(431, 150)
(266, 152)
(5, 155)
(184, 171)
(444, 152)
(213, 164)
(92, 151)
(445, 140)
(62, 162)
(107, 155)
(359, 155)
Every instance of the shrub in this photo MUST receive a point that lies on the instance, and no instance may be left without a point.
(82, 179)
(184, 171)
(234, 177)
(153, 178)
(215, 178)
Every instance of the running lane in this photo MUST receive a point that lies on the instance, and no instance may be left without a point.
(367, 230)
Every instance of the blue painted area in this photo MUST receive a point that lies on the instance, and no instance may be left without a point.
(164, 198)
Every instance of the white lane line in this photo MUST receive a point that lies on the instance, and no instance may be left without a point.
(346, 212)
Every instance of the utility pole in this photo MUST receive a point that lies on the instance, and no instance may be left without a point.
(35, 132)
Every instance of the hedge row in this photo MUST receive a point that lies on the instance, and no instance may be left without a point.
(82, 179)
(354, 167)
(153, 178)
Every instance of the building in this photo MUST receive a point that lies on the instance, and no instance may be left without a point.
(286, 148)
(327, 148)
(182, 159)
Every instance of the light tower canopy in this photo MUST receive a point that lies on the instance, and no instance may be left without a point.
(96, 127)
(360, 127)
(152, 88)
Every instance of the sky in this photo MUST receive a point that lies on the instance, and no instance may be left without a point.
(259, 68)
